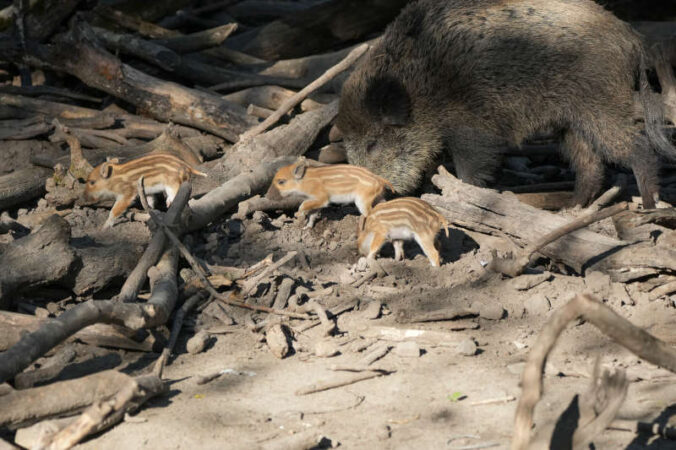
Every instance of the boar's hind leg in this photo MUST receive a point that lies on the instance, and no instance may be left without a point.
(588, 167)
(644, 163)
(476, 155)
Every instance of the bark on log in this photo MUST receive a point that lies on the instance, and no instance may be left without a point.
(23, 407)
(153, 53)
(52, 91)
(37, 259)
(100, 265)
(14, 325)
(44, 17)
(198, 41)
(22, 185)
(490, 212)
(317, 29)
(226, 197)
(78, 54)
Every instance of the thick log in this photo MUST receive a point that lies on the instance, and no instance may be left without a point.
(102, 264)
(22, 407)
(226, 197)
(24, 129)
(490, 212)
(62, 111)
(292, 139)
(78, 54)
(22, 185)
(39, 258)
(317, 29)
(14, 325)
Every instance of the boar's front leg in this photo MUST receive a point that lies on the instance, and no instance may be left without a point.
(476, 154)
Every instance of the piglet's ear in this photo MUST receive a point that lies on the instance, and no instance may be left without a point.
(299, 171)
(106, 170)
(386, 98)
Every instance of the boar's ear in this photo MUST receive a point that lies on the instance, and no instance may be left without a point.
(106, 170)
(299, 171)
(387, 99)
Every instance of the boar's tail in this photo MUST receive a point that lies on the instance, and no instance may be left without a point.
(653, 114)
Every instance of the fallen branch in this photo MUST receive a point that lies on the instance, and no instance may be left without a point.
(23, 407)
(40, 258)
(23, 185)
(104, 413)
(515, 266)
(343, 381)
(288, 104)
(620, 330)
(490, 212)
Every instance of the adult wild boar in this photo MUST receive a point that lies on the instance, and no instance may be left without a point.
(475, 76)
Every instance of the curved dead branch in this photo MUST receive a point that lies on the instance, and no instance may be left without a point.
(609, 323)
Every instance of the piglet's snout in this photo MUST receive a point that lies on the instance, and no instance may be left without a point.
(273, 193)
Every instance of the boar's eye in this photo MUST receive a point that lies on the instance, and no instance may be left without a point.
(281, 182)
(91, 183)
(370, 146)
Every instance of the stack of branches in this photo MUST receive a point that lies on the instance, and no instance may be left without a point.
(82, 83)
(209, 82)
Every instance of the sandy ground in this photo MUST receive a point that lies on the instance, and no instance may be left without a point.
(434, 396)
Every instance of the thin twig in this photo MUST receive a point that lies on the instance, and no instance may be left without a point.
(324, 386)
(187, 306)
(300, 96)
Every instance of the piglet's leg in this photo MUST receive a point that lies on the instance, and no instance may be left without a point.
(170, 191)
(427, 245)
(363, 205)
(377, 242)
(398, 249)
(308, 208)
(121, 204)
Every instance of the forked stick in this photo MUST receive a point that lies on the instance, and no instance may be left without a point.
(198, 268)
(619, 329)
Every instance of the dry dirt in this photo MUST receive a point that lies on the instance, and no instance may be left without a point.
(433, 398)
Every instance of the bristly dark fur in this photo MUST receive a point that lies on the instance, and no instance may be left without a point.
(473, 76)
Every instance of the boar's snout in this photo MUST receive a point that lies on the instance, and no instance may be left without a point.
(273, 193)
